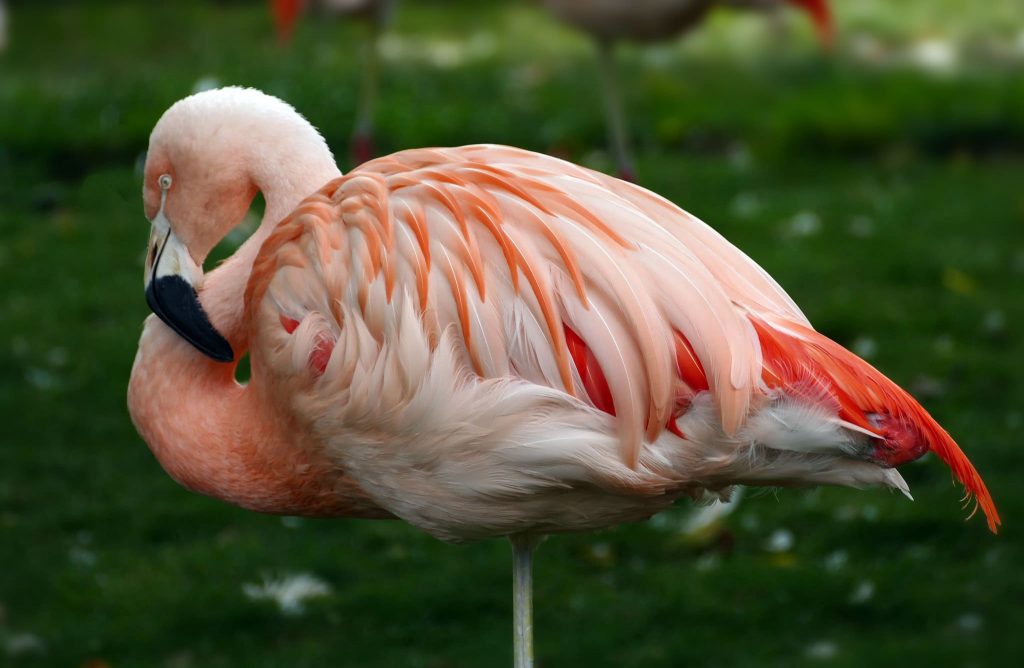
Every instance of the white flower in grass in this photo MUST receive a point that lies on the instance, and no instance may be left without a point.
(865, 346)
(82, 556)
(441, 53)
(994, 322)
(803, 224)
(970, 622)
(938, 56)
(836, 561)
(864, 592)
(289, 592)
(862, 227)
(22, 643)
(42, 380)
(868, 48)
(781, 540)
(746, 205)
(822, 650)
(740, 157)
(708, 562)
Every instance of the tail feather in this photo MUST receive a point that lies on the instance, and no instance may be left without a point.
(867, 399)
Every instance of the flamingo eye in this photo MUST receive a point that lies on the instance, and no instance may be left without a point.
(165, 181)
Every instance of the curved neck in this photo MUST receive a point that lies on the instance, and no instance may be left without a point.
(220, 438)
(283, 185)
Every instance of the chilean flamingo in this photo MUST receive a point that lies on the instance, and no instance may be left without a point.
(377, 14)
(612, 21)
(482, 341)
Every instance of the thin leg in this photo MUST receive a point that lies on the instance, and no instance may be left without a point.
(617, 133)
(522, 597)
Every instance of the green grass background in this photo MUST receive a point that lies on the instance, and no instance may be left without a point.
(885, 195)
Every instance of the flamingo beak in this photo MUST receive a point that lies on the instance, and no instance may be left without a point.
(171, 275)
(821, 15)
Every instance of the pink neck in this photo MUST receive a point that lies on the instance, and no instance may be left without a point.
(223, 288)
(223, 439)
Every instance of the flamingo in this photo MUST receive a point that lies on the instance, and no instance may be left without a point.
(377, 14)
(482, 341)
(609, 22)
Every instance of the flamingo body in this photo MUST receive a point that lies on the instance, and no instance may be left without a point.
(482, 341)
(646, 20)
(494, 342)
(655, 20)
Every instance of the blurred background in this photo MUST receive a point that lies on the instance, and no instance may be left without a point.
(880, 181)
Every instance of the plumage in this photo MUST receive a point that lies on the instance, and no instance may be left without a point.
(482, 341)
(487, 341)
(602, 271)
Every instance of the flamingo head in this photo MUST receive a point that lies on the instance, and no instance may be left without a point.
(821, 15)
(208, 156)
(192, 196)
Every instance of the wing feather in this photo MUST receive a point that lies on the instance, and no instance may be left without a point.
(499, 252)
(506, 248)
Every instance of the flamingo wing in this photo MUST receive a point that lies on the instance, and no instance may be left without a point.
(541, 270)
(538, 265)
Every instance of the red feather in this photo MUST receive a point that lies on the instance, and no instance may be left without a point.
(793, 352)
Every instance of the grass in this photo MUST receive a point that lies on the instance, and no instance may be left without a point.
(887, 200)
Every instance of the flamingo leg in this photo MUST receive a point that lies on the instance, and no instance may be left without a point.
(362, 134)
(618, 135)
(523, 546)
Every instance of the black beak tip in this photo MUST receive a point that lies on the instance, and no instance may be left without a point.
(175, 302)
(220, 353)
